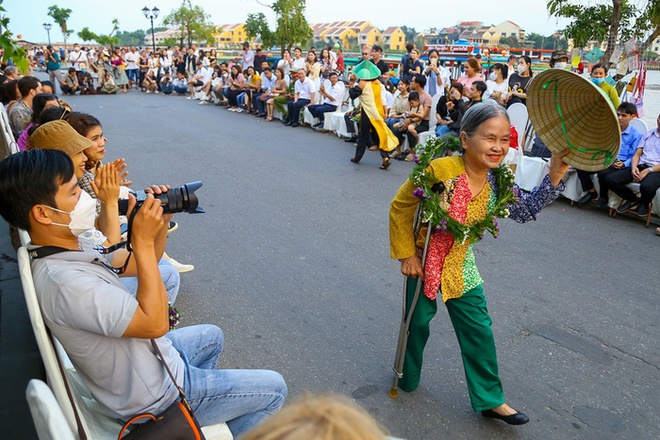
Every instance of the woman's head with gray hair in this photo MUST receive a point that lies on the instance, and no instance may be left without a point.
(480, 113)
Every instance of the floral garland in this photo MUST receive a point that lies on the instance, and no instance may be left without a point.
(428, 191)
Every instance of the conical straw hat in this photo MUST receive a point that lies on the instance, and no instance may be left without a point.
(569, 111)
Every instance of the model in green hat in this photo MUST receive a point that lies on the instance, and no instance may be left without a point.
(372, 121)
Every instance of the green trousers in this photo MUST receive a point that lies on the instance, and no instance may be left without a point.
(469, 316)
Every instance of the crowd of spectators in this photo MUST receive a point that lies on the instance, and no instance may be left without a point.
(302, 85)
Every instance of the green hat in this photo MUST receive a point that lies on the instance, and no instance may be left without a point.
(366, 70)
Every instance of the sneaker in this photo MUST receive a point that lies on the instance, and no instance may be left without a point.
(181, 268)
(156, 92)
(657, 231)
(588, 197)
(189, 97)
(601, 203)
(205, 98)
(239, 110)
(148, 91)
(627, 205)
(409, 157)
(173, 226)
(202, 102)
(643, 210)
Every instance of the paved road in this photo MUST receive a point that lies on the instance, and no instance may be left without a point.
(292, 261)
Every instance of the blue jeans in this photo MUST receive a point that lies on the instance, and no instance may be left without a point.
(168, 274)
(181, 90)
(441, 130)
(166, 88)
(242, 398)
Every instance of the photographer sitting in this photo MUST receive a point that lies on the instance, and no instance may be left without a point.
(104, 329)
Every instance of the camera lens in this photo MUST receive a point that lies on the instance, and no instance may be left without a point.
(182, 199)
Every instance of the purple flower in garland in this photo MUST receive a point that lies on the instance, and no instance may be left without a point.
(416, 159)
(419, 193)
(174, 317)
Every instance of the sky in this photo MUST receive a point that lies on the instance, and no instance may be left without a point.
(27, 16)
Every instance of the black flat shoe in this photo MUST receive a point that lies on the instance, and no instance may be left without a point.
(354, 161)
(588, 197)
(513, 419)
(627, 205)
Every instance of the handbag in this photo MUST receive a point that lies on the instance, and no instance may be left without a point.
(175, 423)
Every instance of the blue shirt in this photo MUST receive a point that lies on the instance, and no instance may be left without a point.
(629, 141)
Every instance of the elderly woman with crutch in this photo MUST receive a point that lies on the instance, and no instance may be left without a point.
(457, 199)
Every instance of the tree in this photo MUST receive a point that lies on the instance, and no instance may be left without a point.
(619, 20)
(135, 38)
(18, 55)
(411, 33)
(103, 40)
(60, 16)
(511, 41)
(649, 55)
(193, 24)
(292, 26)
(256, 25)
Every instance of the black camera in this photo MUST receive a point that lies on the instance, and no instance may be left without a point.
(182, 199)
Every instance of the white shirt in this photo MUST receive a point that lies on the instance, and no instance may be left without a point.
(305, 89)
(494, 87)
(132, 60)
(336, 91)
(298, 64)
(77, 58)
(204, 74)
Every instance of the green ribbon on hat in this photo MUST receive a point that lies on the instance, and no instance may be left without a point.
(606, 153)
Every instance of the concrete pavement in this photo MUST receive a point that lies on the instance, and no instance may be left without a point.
(292, 262)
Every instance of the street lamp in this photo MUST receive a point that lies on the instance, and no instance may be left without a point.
(151, 14)
(47, 26)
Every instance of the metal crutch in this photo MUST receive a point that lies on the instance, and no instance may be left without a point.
(406, 315)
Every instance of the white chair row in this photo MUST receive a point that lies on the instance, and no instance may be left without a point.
(48, 412)
(7, 142)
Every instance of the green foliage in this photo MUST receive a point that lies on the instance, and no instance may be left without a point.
(256, 25)
(135, 38)
(60, 16)
(600, 21)
(650, 55)
(411, 33)
(193, 24)
(292, 26)
(555, 41)
(104, 40)
(510, 41)
(17, 54)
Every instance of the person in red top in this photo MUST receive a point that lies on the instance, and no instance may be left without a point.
(340, 61)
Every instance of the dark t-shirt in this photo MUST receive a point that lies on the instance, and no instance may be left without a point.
(382, 66)
(519, 84)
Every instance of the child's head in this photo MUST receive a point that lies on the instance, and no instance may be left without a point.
(413, 99)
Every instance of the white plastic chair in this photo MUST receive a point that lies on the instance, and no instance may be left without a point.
(47, 415)
(96, 423)
(530, 172)
(639, 125)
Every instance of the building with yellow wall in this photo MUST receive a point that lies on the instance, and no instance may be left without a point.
(394, 38)
(230, 35)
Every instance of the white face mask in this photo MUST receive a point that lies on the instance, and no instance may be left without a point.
(522, 69)
(82, 216)
(492, 76)
(561, 65)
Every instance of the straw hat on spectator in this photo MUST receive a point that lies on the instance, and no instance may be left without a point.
(59, 135)
(569, 111)
(366, 70)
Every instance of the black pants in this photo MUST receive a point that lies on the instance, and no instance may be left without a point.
(366, 136)
(618, 180)
(350, 124)
(232, 95)
(412, 140)
(295, 108)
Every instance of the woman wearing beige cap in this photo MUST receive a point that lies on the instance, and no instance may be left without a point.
(59, 135)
